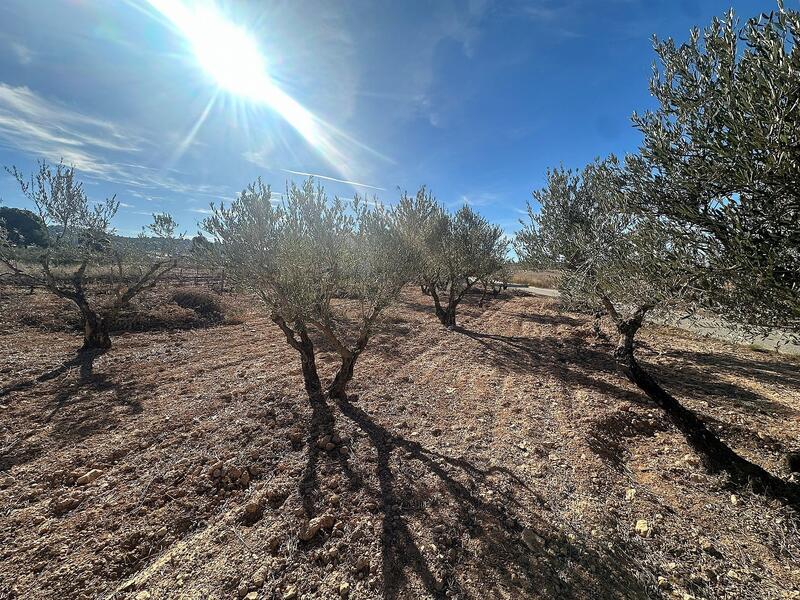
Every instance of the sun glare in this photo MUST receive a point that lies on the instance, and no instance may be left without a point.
(230, 55)
(226, 52)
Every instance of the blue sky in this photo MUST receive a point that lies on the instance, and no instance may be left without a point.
(473, 98)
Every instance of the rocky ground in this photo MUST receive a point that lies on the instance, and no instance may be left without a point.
(504, 459)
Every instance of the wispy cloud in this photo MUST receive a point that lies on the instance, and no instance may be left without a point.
(318, 176)
(202, 211)
(54, 131)
(476, 199)
(22, 52)
(32, 121)
(19, 50)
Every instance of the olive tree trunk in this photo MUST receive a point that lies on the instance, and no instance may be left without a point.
(95, 330)
(446, 315)
(338, 388)
(300, 341)
(717, 455)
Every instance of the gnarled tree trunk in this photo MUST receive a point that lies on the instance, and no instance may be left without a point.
(446, 316)
(717, 455)
(95, 330)
(308, 363)
(305, 347)
(338, 389)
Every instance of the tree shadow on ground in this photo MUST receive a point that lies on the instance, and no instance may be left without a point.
(608, 435)
(471, 518)
(83, 360)
(582, 357)
(572, 358)
(782, 371)
(548, 319)
(579, 363)
(79, 408)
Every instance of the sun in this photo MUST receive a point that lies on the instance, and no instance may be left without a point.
(230, 55)
(227, 52)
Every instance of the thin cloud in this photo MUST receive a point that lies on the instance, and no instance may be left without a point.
(53, 131)
(477, 199)
(41, 122)
(304, 174)
(21, 52)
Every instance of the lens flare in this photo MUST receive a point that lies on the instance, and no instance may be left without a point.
(230, 55)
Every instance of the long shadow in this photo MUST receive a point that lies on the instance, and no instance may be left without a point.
(568, 357)
(530, 356)
(548, 319)
(89, 417)
(84, 360)
(784, 371)
(323, 424)
(528, 570)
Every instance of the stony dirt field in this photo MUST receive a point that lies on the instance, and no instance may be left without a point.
(505, 459)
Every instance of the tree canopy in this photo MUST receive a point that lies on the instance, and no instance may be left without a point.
(719, 165)
(24, 228)
(313, 261)
(452, 252)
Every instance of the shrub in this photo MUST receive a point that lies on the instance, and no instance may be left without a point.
(208, 305)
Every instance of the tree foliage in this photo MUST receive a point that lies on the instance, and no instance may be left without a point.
(452, 252)
(604, 249)
(613, 257)
(720, 163)
(23, 227)
(317, 264)
(79, 239)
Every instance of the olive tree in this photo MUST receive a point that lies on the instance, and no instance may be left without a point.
(80, 249)
(452, 252)
(611, 256)
(608, 255)
(317, 265)
(719, 165)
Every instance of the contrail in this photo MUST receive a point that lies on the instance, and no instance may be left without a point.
(374, 187)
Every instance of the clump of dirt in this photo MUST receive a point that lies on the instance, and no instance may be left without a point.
(505, 458)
